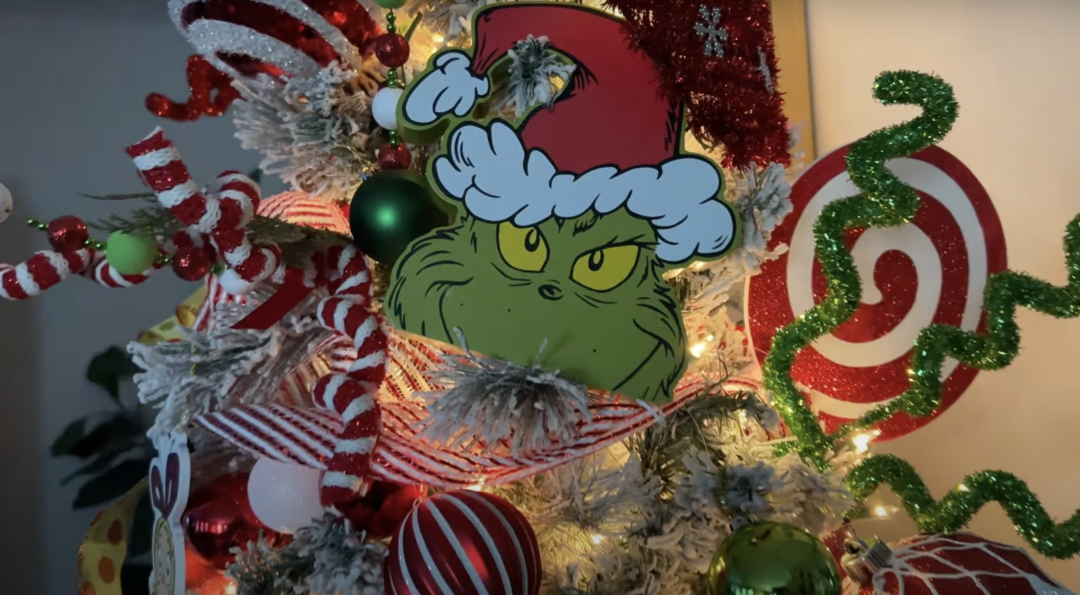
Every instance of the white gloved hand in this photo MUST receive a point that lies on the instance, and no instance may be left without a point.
(449, 87)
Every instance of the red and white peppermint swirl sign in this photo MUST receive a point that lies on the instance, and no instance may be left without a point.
(930, 271)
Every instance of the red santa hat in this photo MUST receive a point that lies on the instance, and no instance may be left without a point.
(611, 140)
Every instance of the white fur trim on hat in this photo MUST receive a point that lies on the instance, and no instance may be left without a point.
(498, 180)
(449, 87)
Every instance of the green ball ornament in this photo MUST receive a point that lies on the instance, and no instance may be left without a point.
(130, 254)
(391, 4)
(773, 559)
(390, 210)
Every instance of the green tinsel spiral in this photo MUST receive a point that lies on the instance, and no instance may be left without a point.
(959, 505)
(886, 201)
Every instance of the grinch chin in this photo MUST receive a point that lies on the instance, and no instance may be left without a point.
(537, 333)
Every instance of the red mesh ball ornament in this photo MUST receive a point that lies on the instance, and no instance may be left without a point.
(67, 234)
(191, 263)
(392, 50)
(391, 157)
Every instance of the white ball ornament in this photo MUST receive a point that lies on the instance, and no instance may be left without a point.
(283, 496)
(7, 204)
(384, 107)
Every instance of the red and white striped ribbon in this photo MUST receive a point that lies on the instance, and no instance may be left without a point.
(48, 268)
(222, 212)
(351, 395)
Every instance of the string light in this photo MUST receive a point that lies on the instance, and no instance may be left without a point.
(478, 487)
(862, 441)
(230, 589)
(597, 539)
(698, 349)
(881, 512)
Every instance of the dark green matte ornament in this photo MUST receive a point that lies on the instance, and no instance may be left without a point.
(773, 559)
(390, 210)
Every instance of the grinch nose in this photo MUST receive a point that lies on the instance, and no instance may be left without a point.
(550, 292)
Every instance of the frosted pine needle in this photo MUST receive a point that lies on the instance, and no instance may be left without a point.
(492, 401)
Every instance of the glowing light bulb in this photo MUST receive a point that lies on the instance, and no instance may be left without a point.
(476, 488)
(881, 511)
(230, 589)
(963, 488)
(697, 266)
(698, 349)
(597, 539)
(438, 38)
(862, 441)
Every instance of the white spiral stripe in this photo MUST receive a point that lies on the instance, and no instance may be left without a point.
(156, 158)
(26, 280)
(331, 390)
(178, 194)
(425, 553)
(402, 563)
(358, 407)
(210, 36)
(455, 543)
(513, 535)
(875, 242)
(479, 527)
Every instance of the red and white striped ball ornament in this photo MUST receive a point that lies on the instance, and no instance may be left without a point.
(463, 543)
(930, 271)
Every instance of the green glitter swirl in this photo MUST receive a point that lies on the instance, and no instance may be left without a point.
(958, 506)
(885, 202)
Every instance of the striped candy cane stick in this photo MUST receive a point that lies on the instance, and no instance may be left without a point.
(352, 395)
(48, 268)
(223, 212)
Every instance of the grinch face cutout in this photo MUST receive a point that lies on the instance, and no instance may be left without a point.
(567, 221)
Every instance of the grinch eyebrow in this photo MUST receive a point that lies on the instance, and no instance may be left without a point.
(584, 226)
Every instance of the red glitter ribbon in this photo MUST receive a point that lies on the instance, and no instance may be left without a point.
(204, 80)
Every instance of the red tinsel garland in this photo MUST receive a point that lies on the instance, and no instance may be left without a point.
(731, 91)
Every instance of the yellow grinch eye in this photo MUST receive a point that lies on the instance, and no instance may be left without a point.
(607, 268)
(523, 248)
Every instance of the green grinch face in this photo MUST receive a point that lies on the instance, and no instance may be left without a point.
(590, 287)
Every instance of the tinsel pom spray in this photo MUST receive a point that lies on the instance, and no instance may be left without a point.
(390, 210)
(463, 542)
(773, 559)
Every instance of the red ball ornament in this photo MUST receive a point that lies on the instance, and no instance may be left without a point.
(191, 263)
(392, 50)
(391, 157)
(463, 542)
(380, 512)
(67, 234)
(219, 518)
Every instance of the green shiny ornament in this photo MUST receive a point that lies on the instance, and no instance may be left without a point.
(391, 4)
(773, 559)
(390, 210)
(130, 254)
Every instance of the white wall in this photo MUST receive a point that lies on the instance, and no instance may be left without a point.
(75, 75)
(1013, 65)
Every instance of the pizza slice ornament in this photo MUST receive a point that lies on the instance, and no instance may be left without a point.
(567, 219)
(952, 564)
(932, 270)
(170, 481)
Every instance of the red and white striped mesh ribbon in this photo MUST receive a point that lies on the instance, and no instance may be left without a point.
(306, 436)
(222, 212)
(351, 395)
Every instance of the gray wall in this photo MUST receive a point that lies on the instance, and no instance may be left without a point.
(75, 74)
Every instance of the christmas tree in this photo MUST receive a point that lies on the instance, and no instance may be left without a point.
(544, 313)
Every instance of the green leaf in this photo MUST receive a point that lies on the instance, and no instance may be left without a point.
(142, 528)
(109, 367)
(72, 435)
(117, 432)
(112, 484)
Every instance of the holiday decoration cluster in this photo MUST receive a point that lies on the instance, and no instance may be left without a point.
(543, 313)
